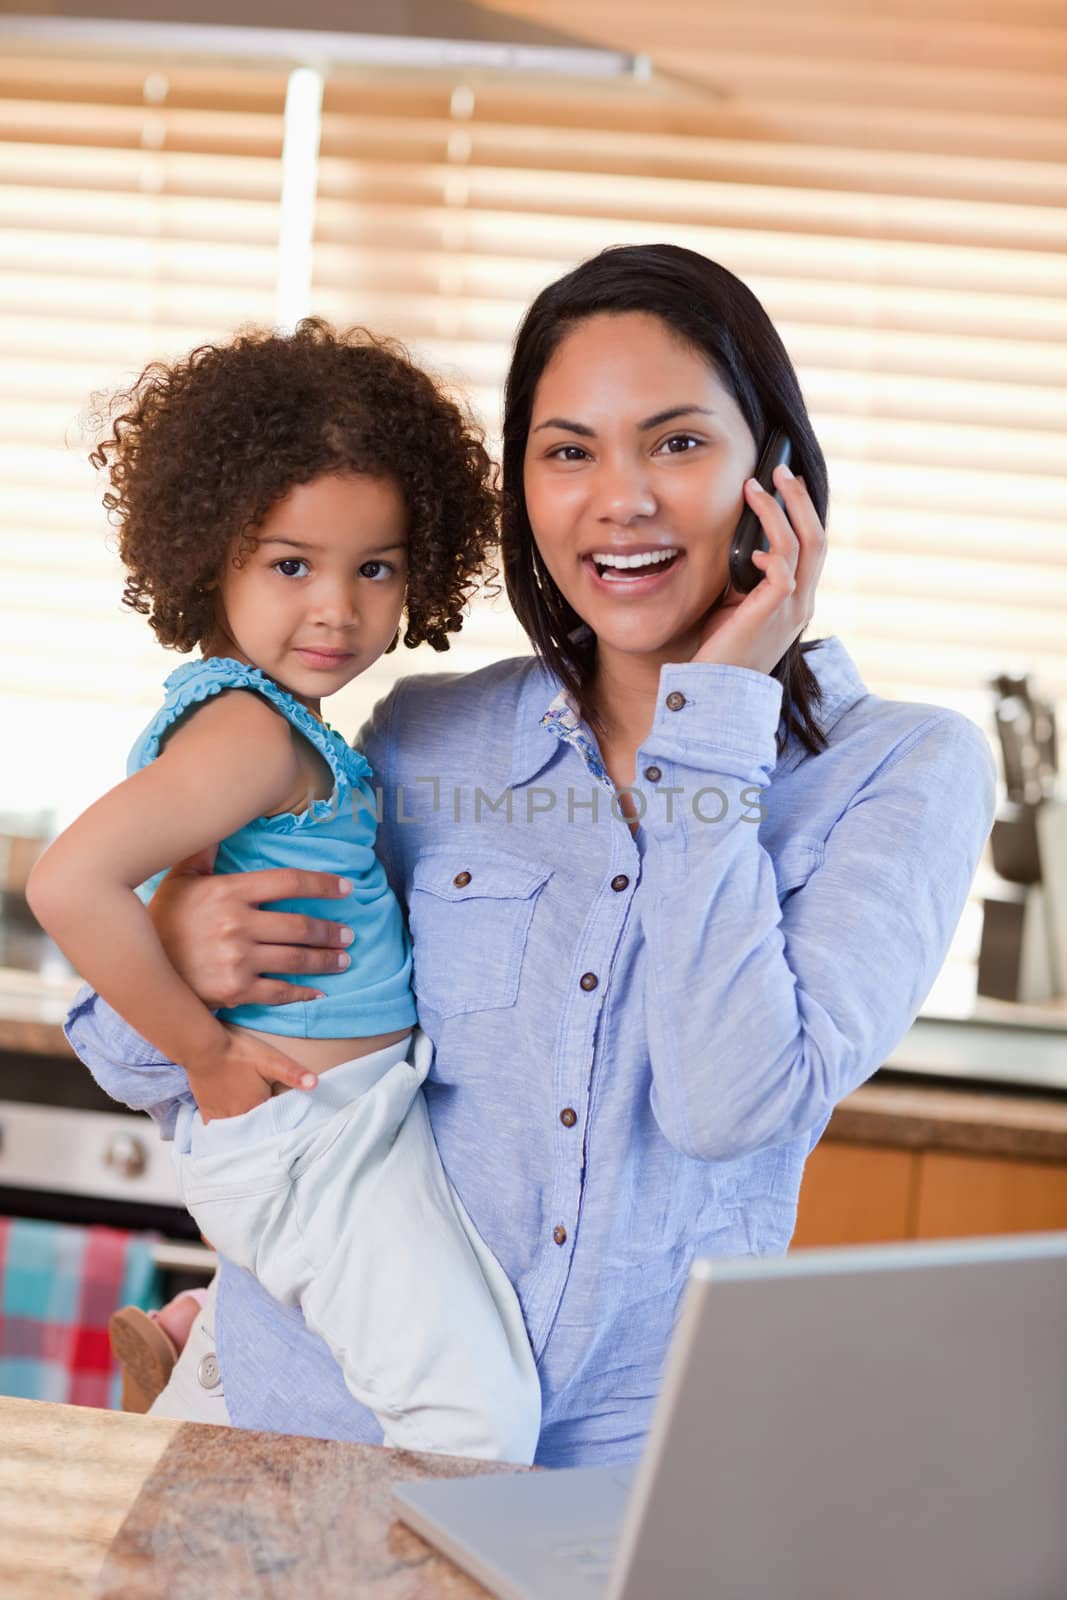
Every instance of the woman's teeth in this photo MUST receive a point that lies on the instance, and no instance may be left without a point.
(613, 567)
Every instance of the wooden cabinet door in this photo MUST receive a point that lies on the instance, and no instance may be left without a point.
(856, 1194)
(960, 1195)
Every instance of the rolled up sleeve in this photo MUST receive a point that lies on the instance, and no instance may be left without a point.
(762, 1015)
(124, 1065)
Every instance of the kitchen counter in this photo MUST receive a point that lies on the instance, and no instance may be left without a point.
(104, 1504)
(917, 1115)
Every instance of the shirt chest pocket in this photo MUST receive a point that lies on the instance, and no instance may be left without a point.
(470, 921)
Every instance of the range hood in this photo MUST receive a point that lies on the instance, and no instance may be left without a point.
(397, 33)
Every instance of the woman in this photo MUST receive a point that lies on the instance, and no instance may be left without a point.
(676, 885)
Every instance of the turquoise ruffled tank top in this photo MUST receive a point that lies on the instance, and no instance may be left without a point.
(373, 995)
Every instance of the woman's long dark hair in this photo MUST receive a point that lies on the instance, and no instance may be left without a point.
(716, 314)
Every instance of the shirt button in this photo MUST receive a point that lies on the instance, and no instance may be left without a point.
(620, 883)
(207, 1373)
(560, 1235)
(461, 880)
(589, 981)
(653, 774)
(675, 700)
(568, 1117)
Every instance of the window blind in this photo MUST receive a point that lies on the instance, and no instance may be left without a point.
(912, 252)
(924, 302)
(890, 181)
(138, 217)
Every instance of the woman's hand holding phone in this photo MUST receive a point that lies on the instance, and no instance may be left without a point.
(755, 630)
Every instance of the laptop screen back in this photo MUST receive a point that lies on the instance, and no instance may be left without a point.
(885, 1423)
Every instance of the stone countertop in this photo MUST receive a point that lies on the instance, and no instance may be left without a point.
(111, 1505)
(910, 1114)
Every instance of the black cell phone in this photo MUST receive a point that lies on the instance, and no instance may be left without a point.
(749, 535)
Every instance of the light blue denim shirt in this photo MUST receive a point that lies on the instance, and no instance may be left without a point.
(639, 1037)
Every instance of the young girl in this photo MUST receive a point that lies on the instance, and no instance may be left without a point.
(282, 501)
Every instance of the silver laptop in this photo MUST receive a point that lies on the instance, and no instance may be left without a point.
(881, 1423)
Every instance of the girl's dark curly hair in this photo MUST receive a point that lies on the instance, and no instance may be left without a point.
(201, 450)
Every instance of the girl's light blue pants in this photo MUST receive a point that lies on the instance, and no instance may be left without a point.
(337, 1201)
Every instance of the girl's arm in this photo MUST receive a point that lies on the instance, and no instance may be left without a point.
(762, 1017)
(233, 761)
(218, 935)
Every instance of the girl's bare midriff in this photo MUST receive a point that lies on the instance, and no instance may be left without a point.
(322, 1054)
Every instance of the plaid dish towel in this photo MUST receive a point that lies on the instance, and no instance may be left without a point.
(59, 1285)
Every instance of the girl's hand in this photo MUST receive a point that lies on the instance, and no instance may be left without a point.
(217, 937)
(243, 1074)
(755, 630)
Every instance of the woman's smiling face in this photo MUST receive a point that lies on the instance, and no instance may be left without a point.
(636, 448)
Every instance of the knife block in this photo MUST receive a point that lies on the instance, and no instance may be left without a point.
(1023, 952)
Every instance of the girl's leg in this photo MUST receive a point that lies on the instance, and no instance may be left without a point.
(418, 1312)
(349, 1215)
(194, 1391)
(176, 1318)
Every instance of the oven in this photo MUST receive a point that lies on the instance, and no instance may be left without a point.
(70, 1154)
(67, 1152)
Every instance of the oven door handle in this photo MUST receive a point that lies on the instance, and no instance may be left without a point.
(173, 1255)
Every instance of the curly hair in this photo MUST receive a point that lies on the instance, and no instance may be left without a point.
(201, 450)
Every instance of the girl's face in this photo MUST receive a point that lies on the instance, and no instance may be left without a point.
(320, 597)
(636, 448)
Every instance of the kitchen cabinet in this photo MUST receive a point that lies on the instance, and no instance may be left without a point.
(856, 1194)
(905, 1161)
(965, 1194)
